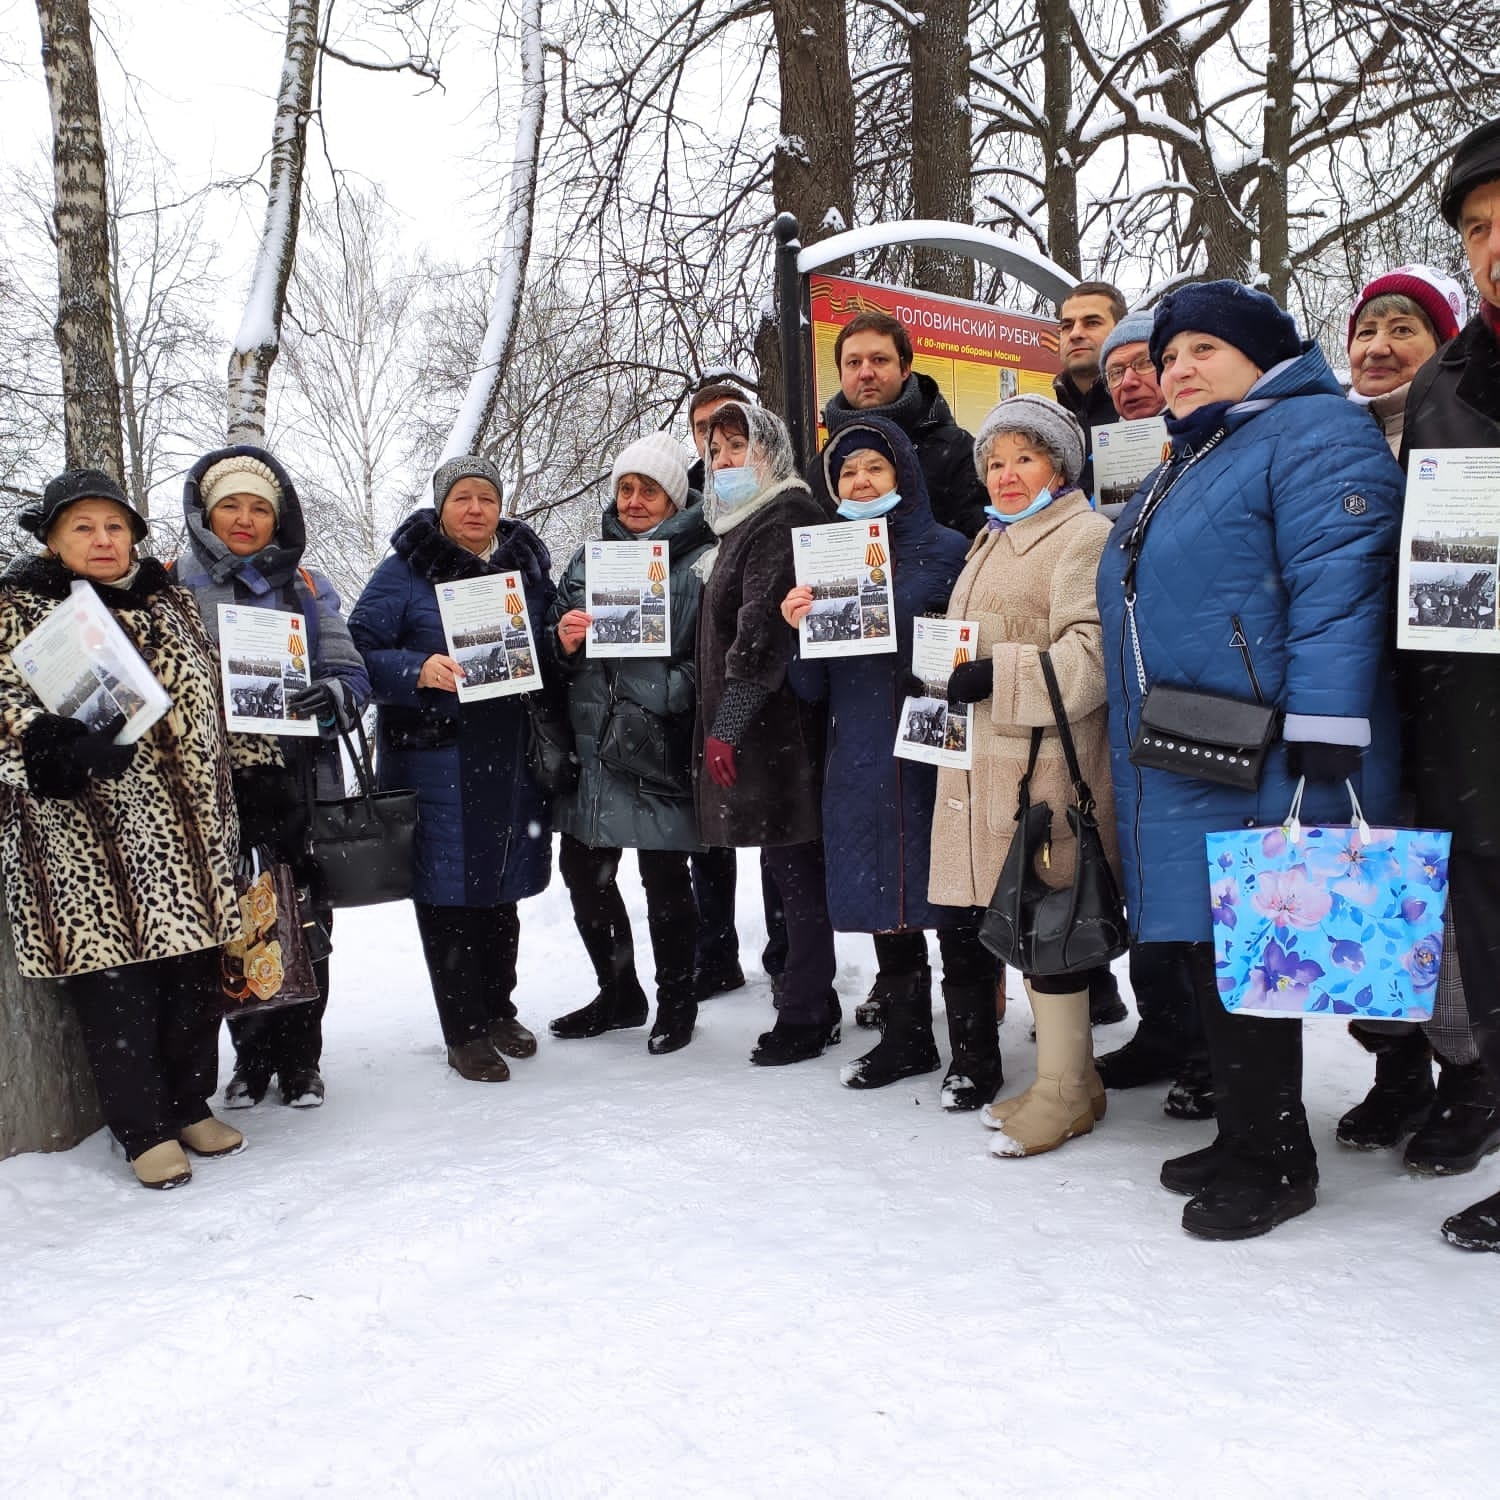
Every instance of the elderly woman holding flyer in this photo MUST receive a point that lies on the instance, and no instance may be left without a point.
(632, 718)
(877, 809)
(245, 539)
(119, 858)
(762, 746)
(483, 827)
(1029, 585)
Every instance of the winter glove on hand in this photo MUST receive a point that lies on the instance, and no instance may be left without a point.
(971, 681)
(62, 756)
(329, 701)
(1320, 762)
(719, 758)
(272, 812)
(909, 685)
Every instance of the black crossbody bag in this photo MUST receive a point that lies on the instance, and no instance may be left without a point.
(1208, 736)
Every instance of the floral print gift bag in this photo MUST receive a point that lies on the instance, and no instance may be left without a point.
(1339, 921)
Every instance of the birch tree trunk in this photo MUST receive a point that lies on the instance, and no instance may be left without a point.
(47, 1099)
(85, 337)
(941, 153)
(494, 355)
(259, 338)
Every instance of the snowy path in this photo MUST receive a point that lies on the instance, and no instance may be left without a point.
(621, 1275)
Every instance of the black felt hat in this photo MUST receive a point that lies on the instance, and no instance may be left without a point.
(72, 485)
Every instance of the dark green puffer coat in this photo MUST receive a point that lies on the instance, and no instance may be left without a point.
(610, 808)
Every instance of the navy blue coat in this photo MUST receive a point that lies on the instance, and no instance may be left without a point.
(484, 834)
(1285, 532)
(877, 810)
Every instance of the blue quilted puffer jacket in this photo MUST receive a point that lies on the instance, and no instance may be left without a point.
(877, 810)
(1283, 536)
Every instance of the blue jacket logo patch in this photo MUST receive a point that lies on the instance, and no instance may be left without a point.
(1356, 505)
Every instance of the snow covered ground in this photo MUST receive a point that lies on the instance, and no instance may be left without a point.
(620, 1275)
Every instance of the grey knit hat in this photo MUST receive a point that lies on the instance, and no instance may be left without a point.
(465, 466)
(1133, 328)
(1040, 418)
(658, 457)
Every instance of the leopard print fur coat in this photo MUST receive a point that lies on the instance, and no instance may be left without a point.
(142, 867)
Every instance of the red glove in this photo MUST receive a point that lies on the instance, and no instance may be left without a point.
(719, 758)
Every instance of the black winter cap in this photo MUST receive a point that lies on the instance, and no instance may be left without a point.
(72, 485)
(1476, 159)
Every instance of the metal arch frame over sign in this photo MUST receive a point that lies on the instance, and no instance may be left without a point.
(794, 263)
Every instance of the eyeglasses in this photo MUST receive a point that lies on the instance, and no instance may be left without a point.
(1114, 376)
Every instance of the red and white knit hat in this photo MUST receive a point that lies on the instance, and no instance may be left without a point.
(1439, 296)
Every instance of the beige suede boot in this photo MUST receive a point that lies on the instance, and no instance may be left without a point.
(1058, 1105)
(995, 1115)
(163, 1166)
(211, 1137)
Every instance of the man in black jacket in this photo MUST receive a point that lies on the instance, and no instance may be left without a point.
(1450, 701)
(873, 354)
(1085, 318)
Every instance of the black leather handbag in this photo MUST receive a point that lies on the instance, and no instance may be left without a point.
(1205, 735)
(1028, 924)
(655, 751)
(551, 753)
(362, 850)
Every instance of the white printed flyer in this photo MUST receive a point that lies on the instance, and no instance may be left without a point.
(264, 657)
(931, 729)
(489, 635)
(848, 567)
(1124, 454)
(83, 666)
(1450, 536)
(627, 593)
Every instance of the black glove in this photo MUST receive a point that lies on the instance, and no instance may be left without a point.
(971, 681)
(62, 756)
(328, 701)
(273, 812)
(909, 685)
(1320, 762)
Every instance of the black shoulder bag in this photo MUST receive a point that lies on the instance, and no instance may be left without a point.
(1208, 736)
(1032, 927)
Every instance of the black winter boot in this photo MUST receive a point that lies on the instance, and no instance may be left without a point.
(620, 1005)
(1246, 1199)
(794, 1041)
(1401, 1097)
(676, 1015)
(975, 1075)
(512, 1038)
(1462, 1124)
(906, 1048)
(246, 1089)
(1190, 1174)
(1147, 1058)
(869, 1014)
(1476, 1227)
(1106, 1008)
(1191, 1096)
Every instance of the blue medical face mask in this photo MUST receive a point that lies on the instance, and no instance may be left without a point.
(733, 487)
(1044, 498)
(867, 510)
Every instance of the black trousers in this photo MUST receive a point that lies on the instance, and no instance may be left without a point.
(289, 1040)
(773, 955)
(471, 961)
(807, 977)
(151, 1031)
(604, 924)
(1475, 895)
(965, 959)
(1256, 1063)
(715, 873)
(1166, 995)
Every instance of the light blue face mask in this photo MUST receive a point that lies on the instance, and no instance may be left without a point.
(1044, 498)
(867, 510)
(733, 487)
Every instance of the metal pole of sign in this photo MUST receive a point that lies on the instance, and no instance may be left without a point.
(793, 342)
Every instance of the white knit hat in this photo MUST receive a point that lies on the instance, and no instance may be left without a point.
(658, 457)
(239, 475)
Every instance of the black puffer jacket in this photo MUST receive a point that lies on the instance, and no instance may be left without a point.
(944, 450)
(610, 808)
(1450, 701)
